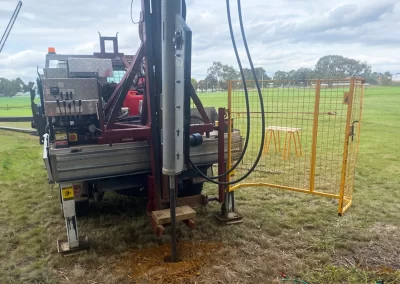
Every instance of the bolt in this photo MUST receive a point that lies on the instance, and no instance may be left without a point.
(178, 55)
(178, 106)
(178, 81)
(177, 132)
(177, 156)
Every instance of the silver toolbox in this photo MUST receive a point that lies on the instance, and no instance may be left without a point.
(51, 73)
(69, 90)
(83, 67)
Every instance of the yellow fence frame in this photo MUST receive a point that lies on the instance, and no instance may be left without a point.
(344, 202)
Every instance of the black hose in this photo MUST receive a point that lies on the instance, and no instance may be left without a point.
(241, 157)
(210, 179)
(132, 16)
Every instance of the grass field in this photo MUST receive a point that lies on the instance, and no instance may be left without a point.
(282, 232)
(15, 106)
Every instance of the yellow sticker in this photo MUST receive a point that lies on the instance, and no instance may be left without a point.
(67, 192)
(61, 136)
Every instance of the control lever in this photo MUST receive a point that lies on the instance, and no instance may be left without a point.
(69, 106)
(73, 102)
(79, 103)
(65, 108)
(58, 104)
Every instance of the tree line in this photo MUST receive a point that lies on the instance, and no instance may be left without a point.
(327, 67)
(9, 88)
(218, 75)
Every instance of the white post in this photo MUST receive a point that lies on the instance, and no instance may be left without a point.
(262, 81)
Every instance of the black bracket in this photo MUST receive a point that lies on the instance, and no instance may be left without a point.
(178, 40)
(352, 130)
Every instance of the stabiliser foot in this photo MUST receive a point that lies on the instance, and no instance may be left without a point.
(232, 218)
(64, 249)
(228, 215)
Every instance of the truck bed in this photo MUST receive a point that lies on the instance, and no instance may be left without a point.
(89, 162)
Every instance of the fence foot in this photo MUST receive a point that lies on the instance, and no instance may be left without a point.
(228, 215)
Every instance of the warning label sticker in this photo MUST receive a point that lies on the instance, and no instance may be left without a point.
(67, 193)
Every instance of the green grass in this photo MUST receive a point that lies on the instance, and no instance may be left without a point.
(296, 234)
(15, 106)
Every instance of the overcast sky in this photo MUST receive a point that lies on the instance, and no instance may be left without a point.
(282, 34)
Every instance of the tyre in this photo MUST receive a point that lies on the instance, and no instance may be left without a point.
(82, 208)
(190, 189)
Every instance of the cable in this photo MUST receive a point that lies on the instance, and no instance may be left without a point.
(132, 17)
(239, 160)
(210, 179)
(10, 25)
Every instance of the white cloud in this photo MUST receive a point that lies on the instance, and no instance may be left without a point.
(285, 35)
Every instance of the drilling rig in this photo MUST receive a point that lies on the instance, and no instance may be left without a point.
(145, 134)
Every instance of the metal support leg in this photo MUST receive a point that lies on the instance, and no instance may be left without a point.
(73, 244)
(172, 200)
(71, 224)
(228, 214)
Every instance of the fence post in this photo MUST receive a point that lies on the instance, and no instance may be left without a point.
(346, 147)
(314, 135)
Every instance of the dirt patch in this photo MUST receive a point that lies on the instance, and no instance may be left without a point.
(147, 265)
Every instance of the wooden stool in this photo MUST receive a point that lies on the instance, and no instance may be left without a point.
(289, 131)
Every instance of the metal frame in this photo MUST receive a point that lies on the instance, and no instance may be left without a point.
(344, 201)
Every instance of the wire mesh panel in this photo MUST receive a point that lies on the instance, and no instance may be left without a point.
(332, 116)
(304, 129)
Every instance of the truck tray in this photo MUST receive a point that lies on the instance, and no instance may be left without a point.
(89, 162)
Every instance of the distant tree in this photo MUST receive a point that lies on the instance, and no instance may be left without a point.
(247, 74)
(202, 85)
(214, 73)
(228, 73)
(388, 74)
(281, 76)
(194, 83)
(260, 73)
(385, 78)
(211, 82)
(302, 76)
(30, 85)
(219, 74)
(337, 66)
(10, 88)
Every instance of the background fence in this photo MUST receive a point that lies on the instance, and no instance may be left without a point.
(10, 107)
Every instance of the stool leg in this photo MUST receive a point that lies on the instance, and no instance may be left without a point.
(271, 132)
(290, 144)
(279, 141)
(298, 140)
(284, 147)
(276, 150)
(295, 143)
(266, 143)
